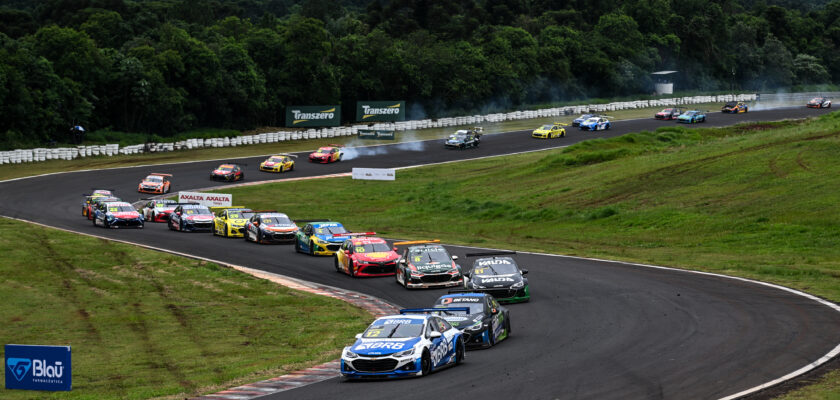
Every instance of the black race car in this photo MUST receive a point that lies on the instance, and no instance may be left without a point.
(190, 217)
(270, 227)
(486, 323)
(463, 139)
(498, 275)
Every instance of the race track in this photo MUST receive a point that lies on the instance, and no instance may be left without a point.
(593, 329)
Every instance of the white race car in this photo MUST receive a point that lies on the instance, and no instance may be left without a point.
(409, 344)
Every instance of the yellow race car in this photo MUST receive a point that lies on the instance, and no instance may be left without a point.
(278, 163)
(550, 131)
(230, 221)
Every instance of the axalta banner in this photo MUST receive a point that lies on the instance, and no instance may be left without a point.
(206, 199)
(376, 111)
(38, 367)
(313, 116)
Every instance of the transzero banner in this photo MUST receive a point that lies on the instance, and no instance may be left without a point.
(312, 116)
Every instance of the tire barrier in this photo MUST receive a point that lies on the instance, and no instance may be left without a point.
(18, 156)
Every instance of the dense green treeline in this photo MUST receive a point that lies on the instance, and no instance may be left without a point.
(166, 66)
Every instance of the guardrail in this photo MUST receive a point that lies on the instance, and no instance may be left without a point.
(69, 153)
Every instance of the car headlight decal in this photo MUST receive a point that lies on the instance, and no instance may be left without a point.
(518, 285)
(405, 353)
(350, 354)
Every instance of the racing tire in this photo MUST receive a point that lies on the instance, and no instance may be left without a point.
(258, 236)
(169, 225)
(507, 326)
(311, 248)
(242, 177)
(292, 168)
(459, 351)
(405, 279)
(297, 250)
(490, 337)
(336, 262)
(351, 269)
(425, 363)
(93, 220)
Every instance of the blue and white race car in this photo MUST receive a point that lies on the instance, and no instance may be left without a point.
(579, 120)
(321, 238)
(693, 116)
(595, 124)
(410, 344)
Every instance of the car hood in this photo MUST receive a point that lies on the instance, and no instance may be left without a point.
(220, 172)
(331, 238)
(201, 217)
(125, 214)
(150, 183)
(496, 281)
(380, 256)
(319, 155)
(433, 267)
(238, 221)
(379, 347)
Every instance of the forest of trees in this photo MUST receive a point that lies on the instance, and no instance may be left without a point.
(166, 66)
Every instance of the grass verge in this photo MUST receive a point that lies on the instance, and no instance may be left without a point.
(10, 171)
(753, 200)
(144, 324)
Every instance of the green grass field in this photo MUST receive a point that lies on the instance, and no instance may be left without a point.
(9, 171)
(144, 324)
(756, 200)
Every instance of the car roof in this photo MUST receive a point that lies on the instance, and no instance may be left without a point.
(469, 294)
(117, 203)
(325, 223)
(426, 246)
(366, 240)
(405, 316)
(227, 165)
(273, 214)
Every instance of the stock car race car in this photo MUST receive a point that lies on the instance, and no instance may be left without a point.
(403, 345)
(270, 227)
(227, 172)
(320, 238)
(463, 139)
(366, 256)
(734, 107)
(158, 210)
(498, 275)
(94, 202)
(819, 102)
(117, 214)
(596, 123)
(155, 184)
(550, 131)
(230, 221)
(485, 324)
(327, 154)
(693, 116)
(668, 113)
(579, 120)
(191, 217)
(86, 207)
(278, 163)
(427, 265)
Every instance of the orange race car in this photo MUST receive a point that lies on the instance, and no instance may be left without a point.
(327, 154)
(155, 184)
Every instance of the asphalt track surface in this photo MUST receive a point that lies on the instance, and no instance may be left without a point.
(593, 329)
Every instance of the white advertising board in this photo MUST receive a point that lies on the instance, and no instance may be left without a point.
(375, 174)
(207, 199)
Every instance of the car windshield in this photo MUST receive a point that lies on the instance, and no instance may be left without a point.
(546, 127)
(196, 211)
(690, 113)
(324, 150)
(458, 136)
(731, 104)
(276, 220)
(475, 304)
(330, 230)
(122, 208)
(371, 248)
(276, 159)
(816, 100)
(394, 328)
(591, 120)
(667, 110)
(428, 255)
(585, 116)
(240, 214)
(154, 178)
(494, 267)
(225, 168)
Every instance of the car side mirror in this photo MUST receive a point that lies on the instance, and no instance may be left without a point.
(435, 335)
(454, 258)
(524, 271)
(347, 252)
(358, 336)
(395, 249)
(494, 311)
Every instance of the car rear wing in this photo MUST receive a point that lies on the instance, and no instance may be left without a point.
(312, 220)
(287, 155)
(351, 234)
(473, 291)
(416, 242)
(220, 208)
(491, 253)
(335, 145)
(433, 310)
(159, 174)
(234, 163)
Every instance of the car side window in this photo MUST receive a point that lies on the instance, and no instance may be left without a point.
(429, 328)
(442, 325)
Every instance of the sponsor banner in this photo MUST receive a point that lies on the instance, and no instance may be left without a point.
(377, 111)
(38, 367)
(375, 174)
(206, 199)
(312, 116)
(376, 134)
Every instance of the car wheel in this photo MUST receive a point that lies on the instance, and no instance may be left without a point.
(169, 224)
(351, 269)
(292, 168)
(459, 351)
(258, 236)
(507, 325)
(492, 338)
(242, 177)
(311, 248)
(337, 269)
(425, 363)
(93, 220)
(297, 246)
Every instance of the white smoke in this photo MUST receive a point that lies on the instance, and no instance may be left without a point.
(357, 148)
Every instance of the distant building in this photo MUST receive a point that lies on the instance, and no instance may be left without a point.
(662, 82)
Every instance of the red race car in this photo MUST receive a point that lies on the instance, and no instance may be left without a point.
(362, 255)
(668, 113)
(228, 172)
(326, 154)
